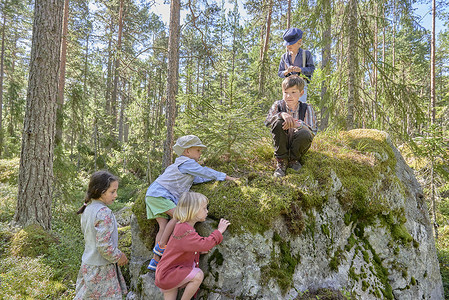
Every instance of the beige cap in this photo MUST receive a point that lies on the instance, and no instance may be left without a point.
(186, 142)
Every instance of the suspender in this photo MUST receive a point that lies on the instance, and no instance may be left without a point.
(302, 108)
(303, 59)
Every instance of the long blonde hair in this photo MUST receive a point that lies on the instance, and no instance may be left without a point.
(188, 206)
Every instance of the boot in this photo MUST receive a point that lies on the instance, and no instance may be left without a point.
(281, 167)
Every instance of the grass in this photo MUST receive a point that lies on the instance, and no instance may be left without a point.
(35, 264)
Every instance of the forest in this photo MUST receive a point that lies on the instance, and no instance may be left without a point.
(125, 84)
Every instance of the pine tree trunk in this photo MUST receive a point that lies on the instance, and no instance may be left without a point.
(265, 50)
(109, 73)
(432, 116)
(326, 54)
(36, 159)
(116, 71)
(60, 99)
(172, 83)
(2, 64)
(352, 62)
(376, 63)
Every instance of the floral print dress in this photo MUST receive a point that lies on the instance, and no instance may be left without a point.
(102, 282)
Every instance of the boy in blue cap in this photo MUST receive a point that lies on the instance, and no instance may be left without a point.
(296, 61)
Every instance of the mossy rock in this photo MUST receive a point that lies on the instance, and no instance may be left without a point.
(357, 157)
(148, 228)
(124, 244)
(326, 294)
(32, 241)
(125, 240)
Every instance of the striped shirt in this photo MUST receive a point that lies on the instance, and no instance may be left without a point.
(279, 107)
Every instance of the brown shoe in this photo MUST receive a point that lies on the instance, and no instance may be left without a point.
(281, 167)
(295, 165)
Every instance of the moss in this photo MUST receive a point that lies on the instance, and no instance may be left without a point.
(353, 275)
(326, 294)
(217, 257)
(394, 221)
(413, 281)
(282, 265)
(365, 285)
(325, 230)
(336, 260)
(365, 256)
(148, 228)
(125, 240)
(32, 241)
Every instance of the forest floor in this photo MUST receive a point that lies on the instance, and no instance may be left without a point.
(36, 266)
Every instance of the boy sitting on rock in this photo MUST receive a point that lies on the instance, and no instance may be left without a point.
(292, 124)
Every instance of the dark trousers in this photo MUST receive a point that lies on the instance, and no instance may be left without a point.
(291, 147)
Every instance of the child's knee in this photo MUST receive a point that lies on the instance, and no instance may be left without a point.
(199, 277)
(276, 126)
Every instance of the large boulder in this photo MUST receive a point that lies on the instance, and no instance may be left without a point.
(352, 222)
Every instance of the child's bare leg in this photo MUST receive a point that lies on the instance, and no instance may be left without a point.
(162, 222)
(193, 286)
(165, 236)
(171, 294)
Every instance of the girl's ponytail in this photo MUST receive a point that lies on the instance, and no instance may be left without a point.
(82, 208)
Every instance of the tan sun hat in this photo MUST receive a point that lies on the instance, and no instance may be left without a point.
(186, 142)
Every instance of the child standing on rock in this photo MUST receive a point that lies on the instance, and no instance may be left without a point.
(178, 267)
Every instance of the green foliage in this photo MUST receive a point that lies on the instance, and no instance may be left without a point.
(32, 241)
(9, 171)
(29, 278)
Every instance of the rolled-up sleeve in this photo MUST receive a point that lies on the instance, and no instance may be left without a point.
(202, 174)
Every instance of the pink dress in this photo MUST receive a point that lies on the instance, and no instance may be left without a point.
(179, 264)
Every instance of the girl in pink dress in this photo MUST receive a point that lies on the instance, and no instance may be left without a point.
(178, 267)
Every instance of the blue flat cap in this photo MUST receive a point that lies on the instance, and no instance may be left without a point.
(291, 36)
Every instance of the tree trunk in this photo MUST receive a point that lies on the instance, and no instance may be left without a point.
(265, 50)
(172, 83)
(60, 99)
(326, 54)
(352, 62)
(432, 116)
(289, 13)
(376, 63)
(109, 73)
(116, 71)
(36, 159)
(2, 64)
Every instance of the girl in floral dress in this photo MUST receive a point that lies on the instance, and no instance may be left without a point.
(99, 276)
(178, 267)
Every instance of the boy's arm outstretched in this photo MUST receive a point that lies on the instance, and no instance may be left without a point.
(202, 174)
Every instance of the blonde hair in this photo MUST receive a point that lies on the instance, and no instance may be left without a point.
(189, 206)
